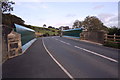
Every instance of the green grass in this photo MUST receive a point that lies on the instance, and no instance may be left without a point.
(113, 45)
(42, 30)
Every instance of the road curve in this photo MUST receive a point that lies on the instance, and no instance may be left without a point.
(82, 59)
(35, 63)
(78, 60)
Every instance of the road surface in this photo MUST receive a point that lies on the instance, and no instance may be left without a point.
(84, 60)
(58, 57)
(34, 63)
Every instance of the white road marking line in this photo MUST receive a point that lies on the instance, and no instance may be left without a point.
(64, 42)
(97, 54)
(92, 52)
(68, 43)
(57, 62)
(56, 39)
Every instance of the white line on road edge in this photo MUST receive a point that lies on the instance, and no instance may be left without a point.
(27, 45)
(97, 54)
(57, 62)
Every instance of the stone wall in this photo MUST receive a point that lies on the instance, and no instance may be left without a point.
(4, 50)
(11, 45)
(95, 36)
(14, 44)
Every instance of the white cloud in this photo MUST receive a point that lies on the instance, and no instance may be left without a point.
(18, 3)
(98, 7)
(28, 0)
(44, 6)
(32, 6)
(113, 21)
(66, 0)
(70, 15)
(115, 18)
(64, 22)
(109, 19)
(105, 15)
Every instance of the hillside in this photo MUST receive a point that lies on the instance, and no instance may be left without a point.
(40, 31)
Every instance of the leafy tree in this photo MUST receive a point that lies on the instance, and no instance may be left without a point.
(6, 6)
(92, 23)
(49, 26)
(44, 25)
(9, 19)
(64, 28)
(53, 27)
(61, 27)
(77, 24)
(114, 30)
(57, 28)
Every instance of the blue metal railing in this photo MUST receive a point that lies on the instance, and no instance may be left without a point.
(72, 32)
(27, 35)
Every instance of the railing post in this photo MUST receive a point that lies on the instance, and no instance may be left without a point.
(114, 37)
(105, 37)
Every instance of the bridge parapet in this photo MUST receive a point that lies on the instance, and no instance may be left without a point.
(95, 36)
(14, 44)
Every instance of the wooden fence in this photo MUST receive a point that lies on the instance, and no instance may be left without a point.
(112, 38)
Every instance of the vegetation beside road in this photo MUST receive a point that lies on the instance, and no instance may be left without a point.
(40, 31)
(113, 42)
(92, 23)
(113, 45)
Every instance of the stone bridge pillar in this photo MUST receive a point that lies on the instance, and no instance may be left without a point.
(14, 44)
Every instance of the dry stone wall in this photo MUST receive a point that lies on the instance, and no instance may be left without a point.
(14, 44)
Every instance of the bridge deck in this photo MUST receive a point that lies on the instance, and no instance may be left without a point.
(34, 63)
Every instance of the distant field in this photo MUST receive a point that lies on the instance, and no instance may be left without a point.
(44, 31)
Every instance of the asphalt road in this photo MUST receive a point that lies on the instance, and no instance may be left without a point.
(82, 59)
(34, 63)
(79, 59)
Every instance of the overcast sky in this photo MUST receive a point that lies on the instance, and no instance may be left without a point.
(65, 13)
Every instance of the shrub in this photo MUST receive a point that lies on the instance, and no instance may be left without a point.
(114, 45)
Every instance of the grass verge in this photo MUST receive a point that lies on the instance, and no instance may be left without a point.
(113, 45)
